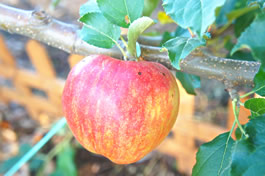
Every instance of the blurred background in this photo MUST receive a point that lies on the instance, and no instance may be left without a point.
(32, 76)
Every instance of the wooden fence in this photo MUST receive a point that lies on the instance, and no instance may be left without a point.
(186, 133)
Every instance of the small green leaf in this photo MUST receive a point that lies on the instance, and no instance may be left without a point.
(97, 30)
(35, 163)
(179, 32)
(239, 12)
(149, 7)
(259, 81)
(121, 12)
(253, 38)
(7, 164)
(261, 3)
(249, 153)
(196, 14)
(135, 30)
(213, 158)
(180, 47)
(256, 105)
(221, 18)
(65, 164)
(189, 82)
(244, 21)
(89, 7)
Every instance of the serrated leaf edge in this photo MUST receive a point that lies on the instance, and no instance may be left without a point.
(208, 156)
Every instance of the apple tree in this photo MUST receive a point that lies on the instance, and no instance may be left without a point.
(236, 26)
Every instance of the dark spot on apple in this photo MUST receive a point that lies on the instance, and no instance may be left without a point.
(139, 73)
(164, 74)
(172, 95)
(170, 135)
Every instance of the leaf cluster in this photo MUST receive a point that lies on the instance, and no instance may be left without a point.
(103, 19)
(225, 156)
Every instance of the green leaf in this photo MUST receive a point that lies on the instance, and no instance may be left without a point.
(259, 81)
(7, 164)
(241, 55)
(261, 3)
(135, 30)
(249, 153)
(149, 7)
(180, 47)
(121, 12)
(179, 32)
(253, 38)
(35, 163)
(221, 18)
(65, 164)
(239, 12)
(196, 14)
(89, 7)
(256, 105)
(97, 30)
(189, 82)
(213, 158)
(242, 22)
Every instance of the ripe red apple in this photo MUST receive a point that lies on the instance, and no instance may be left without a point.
(120, 109)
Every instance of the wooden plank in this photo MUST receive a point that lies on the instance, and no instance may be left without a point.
(47, 84)
(40, 59)
(55, 99)
(3, 99)
(34, 102)
(184, 139)
(198, 130)
(6, 57)
(186, 163)
(175, 149)
(186, 108)
(74, 59)
(33, 112)
(186, 157)
(21, 88)
(7, 72)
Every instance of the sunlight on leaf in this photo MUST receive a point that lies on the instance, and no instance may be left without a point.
(121, 12)
(195, 14)
(180, 47)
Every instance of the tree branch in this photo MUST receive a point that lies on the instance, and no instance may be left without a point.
(42, 27)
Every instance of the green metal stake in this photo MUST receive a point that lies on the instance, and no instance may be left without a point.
(59, 125)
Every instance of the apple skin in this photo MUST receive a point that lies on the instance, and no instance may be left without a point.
(120, 109)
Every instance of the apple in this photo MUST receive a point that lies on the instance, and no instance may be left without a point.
(120, 109)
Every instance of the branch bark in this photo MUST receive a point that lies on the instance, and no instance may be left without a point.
(42, 27)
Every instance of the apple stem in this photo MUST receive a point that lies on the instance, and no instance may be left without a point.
(236, 114)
